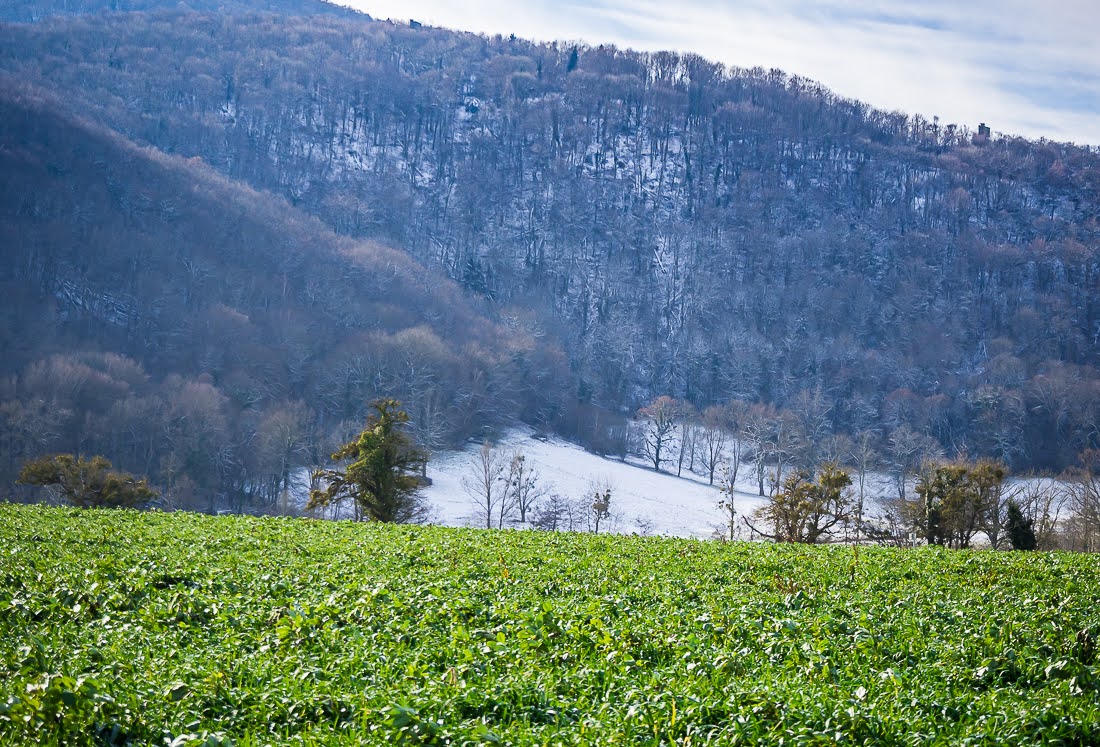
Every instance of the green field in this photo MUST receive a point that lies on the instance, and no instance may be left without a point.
(120, 627)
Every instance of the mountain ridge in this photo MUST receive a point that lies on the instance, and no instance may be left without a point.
(680, 227)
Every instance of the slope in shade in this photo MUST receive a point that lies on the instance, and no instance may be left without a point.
(135, 277)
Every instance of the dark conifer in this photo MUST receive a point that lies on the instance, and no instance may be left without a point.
(1021, 532)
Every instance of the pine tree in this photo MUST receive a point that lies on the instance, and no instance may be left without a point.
(1021, 532)
(381, 476)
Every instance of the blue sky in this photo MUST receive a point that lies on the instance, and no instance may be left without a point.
(1023, 67)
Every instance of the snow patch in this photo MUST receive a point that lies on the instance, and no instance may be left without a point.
(642, 501)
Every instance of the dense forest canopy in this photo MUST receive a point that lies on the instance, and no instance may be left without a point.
(675, 226)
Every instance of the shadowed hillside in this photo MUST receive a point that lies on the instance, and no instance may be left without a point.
(178, 322)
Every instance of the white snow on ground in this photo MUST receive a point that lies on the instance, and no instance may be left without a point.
(642, 500)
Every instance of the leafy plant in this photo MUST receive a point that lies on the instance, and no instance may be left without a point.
(128, 628)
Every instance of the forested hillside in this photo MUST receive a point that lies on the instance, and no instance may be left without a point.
(211, 336)
(678, 227)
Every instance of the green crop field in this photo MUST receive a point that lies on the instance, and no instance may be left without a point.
(121, 627)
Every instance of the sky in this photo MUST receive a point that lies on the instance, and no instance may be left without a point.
(1024, 67)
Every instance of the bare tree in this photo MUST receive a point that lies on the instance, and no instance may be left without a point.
(810, 414)
(786, 440)
(1084, 503)
(689, 439)
(661, 418)
(429, 420)
(283, 444)
(988, 480)
(559, 514)
(734, 417)
(864, 457)
(712, 439)
(993, 496)
(486, 484)
(523, 484)
(601, 508)
(908, 450)
(757, 429)
(1042, 501)
(897, 524)
(727, 506)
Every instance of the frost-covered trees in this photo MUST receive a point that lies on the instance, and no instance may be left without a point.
(660, 419)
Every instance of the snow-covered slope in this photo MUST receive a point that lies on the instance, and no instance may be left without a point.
(643, 501)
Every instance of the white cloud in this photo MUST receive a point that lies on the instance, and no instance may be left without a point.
(1024, 67)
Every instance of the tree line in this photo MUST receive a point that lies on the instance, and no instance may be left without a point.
(818, 484)
(379, 474)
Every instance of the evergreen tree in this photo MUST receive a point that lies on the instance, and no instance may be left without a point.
(381, 476)
(1021, 532)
